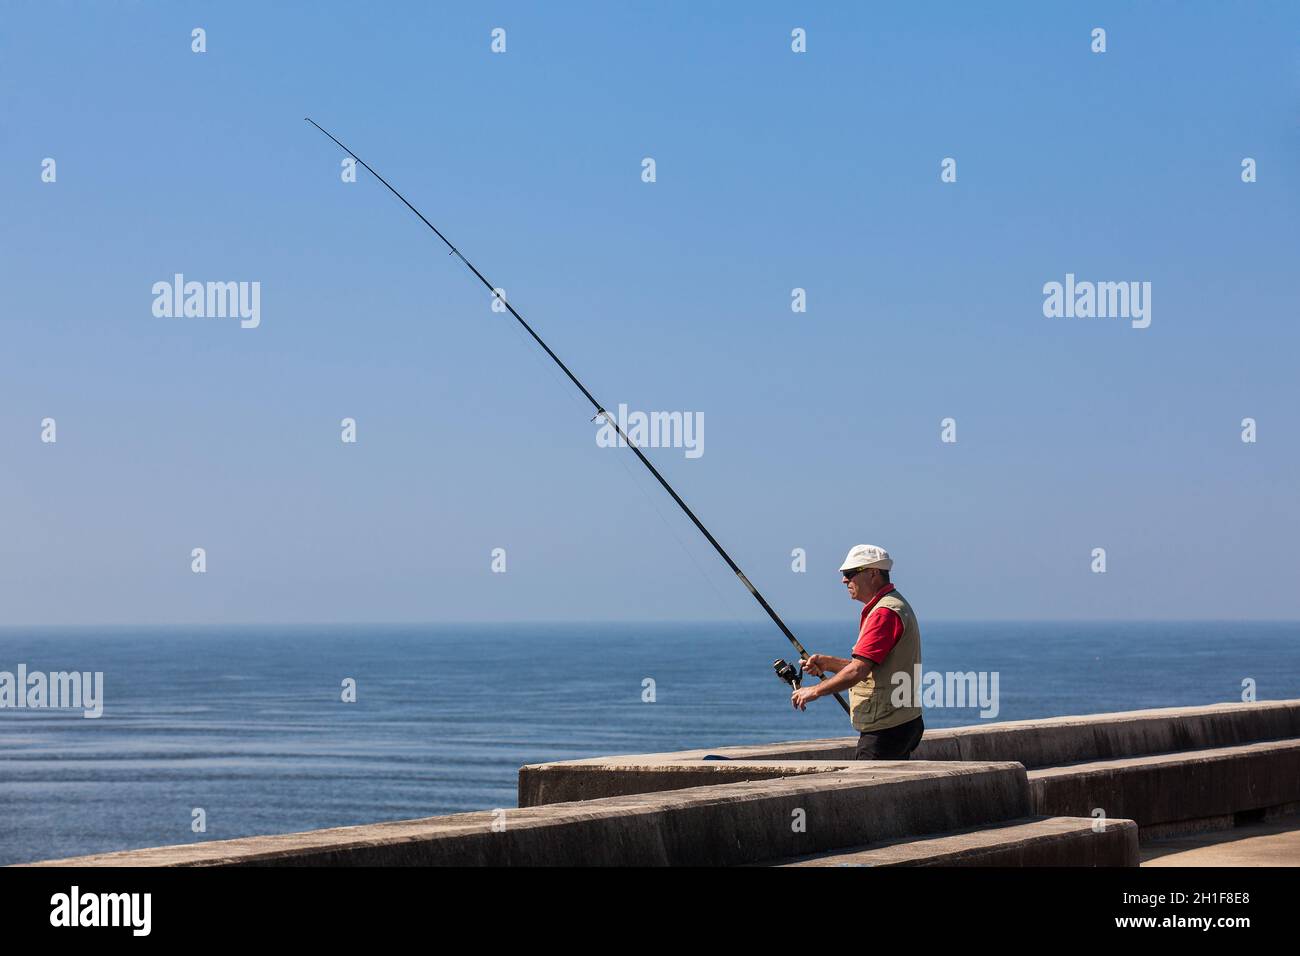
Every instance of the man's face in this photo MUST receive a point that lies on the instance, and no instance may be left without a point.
(863, 585)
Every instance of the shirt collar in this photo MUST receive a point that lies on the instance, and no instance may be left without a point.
(878, 595)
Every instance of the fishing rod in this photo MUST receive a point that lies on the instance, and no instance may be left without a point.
(600, 412)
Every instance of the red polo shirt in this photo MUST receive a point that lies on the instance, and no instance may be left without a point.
(879, 630)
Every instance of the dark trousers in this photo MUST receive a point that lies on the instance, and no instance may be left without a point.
(896, 743)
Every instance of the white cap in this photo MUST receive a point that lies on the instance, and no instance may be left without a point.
(867, 556)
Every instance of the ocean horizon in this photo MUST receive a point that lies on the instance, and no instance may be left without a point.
(248, 723)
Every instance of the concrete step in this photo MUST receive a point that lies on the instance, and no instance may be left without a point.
(1049, 742)
(1274, 842)
(1167, 793)
(1030, 841)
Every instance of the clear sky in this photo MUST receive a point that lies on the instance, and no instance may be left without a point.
(775, 170)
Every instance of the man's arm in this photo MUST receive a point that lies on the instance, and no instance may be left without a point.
(816, 664)
(879, 633)
(849, 673)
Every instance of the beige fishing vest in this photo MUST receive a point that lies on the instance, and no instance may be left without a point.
(869, 700)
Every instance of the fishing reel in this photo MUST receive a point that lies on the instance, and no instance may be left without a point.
(794, 677)
(788, 673)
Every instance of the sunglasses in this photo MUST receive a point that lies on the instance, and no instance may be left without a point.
(848, 575)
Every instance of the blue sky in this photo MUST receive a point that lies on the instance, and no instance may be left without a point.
(775, 170)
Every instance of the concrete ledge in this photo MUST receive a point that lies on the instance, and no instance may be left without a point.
(1061, 740)
(745, 822)
(1039, 841)
(1033, 743)
(564, 782)
(1174, 788)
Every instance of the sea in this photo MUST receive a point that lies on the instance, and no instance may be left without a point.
(261, 729)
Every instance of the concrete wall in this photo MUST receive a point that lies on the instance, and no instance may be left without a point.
(1169, 789)
(731, 824)
(1032, 743)
(1062, 740)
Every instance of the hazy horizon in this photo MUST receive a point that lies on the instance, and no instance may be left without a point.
(751, 625)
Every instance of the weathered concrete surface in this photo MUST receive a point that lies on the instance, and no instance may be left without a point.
(1039, 841)
(1033, 743)
(1060, 740)
(1169, 788)
(1160, 770)
(744, 822)
(1274, 843)
(562, 783)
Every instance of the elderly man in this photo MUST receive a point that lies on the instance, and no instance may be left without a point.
(889, 642)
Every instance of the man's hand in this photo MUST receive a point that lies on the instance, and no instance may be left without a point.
(814, 665)
(801, 698)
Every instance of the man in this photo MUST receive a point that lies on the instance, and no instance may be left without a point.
(889, 642)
